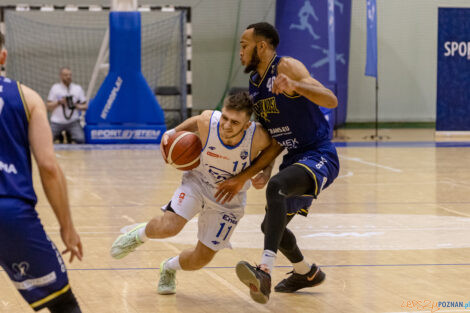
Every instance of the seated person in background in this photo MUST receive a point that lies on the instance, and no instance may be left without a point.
(65, 100)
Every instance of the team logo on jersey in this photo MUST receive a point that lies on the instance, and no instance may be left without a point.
(243, 154)
(266, 106)
(218, 174)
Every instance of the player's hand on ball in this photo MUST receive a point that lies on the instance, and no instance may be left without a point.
(164, 142)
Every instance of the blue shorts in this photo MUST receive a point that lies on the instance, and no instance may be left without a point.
(322, 164)
(29, 257)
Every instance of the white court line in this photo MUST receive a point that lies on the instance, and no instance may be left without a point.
(130, 219)
(96, 195)
(349, 174)
(453, 211)
(359, 160)
(235, 290)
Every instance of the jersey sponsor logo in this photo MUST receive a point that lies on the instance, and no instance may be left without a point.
(264, 107)
(231, 219)
(215, 155)
(218, 174)
(284, 130)
(8, 168)
(243, 154)
(36, 282)
(290, 143)
(321, 163)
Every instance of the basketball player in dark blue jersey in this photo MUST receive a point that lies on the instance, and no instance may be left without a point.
(287, 101)
(28, 256)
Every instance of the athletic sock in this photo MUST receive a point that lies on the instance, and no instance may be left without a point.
(141, 233)
(268, 259)
(173, 263)
(302, 267)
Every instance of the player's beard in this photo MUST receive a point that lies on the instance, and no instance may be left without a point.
(253, 65)
(224, 136)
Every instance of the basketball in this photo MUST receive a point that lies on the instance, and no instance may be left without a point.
(183, 150)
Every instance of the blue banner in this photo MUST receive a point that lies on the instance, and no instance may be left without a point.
(307, 35)
(371, 59)
(453, 70)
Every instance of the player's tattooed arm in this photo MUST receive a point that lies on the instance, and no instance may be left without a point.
(293, 79)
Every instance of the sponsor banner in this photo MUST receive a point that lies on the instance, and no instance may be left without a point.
(453, 70)
(310, 30)
(123, 134)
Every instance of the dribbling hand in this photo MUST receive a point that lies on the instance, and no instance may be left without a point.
(164, 142)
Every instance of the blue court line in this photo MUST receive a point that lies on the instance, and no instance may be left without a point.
(340, 144)
(283, 266)
(401, 144)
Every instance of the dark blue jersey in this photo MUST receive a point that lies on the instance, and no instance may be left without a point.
(15, 156)
(294, 121)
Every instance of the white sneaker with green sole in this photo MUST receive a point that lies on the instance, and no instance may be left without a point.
(126, 243)
(167, 282)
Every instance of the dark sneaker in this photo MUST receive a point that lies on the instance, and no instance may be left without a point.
(296, 281)
(256, 279)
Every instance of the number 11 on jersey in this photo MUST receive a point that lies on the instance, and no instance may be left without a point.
(235, 164)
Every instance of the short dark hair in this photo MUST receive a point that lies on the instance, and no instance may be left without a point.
(2, 40)
(240, 101)
(267, 31)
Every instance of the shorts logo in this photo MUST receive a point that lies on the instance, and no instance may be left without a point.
(20, 269)
(215, 242)
(181, 197)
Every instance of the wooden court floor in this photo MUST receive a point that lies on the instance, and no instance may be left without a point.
(392, 234)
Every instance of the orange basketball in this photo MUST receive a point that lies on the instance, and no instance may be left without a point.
(183, 150)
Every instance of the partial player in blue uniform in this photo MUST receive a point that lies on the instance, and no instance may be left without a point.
(287, 101)
(29, 257)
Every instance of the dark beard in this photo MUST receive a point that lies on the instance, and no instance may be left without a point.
(253, 62)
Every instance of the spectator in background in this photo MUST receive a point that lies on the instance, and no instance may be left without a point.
(65, 100)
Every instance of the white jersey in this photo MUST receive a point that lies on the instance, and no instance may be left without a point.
(220, 162)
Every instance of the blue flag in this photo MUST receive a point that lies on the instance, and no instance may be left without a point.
(331, 41)
(371, 60)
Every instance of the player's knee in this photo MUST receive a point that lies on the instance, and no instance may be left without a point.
(275, 188)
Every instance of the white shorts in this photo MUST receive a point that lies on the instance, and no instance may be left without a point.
(216, 222)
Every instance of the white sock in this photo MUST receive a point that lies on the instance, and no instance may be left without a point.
(302, 267)
(141, 233)
(268, 259)
(173, 263)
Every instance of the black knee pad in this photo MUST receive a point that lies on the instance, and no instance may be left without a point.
(274, 188)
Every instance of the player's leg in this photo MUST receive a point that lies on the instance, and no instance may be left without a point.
(184, 205)
(32, 261)
(76, 132)
(189, 260)
(215, 228)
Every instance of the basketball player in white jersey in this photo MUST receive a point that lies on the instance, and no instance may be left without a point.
(230, 143)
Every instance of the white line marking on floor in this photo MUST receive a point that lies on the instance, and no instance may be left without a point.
(359, 160)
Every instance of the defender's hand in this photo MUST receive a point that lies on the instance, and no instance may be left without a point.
(260, 180)
(72, 243)
(226, 190)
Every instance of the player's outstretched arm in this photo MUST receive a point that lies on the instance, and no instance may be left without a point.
(293, 78)
(52, 178)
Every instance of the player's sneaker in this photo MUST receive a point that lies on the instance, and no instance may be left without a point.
(256, 279)
(296, 281)
(167, 283)
(126, 243)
